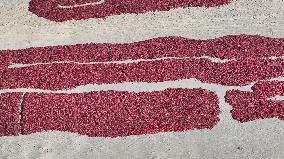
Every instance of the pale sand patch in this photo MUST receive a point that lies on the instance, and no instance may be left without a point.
(20, 28)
